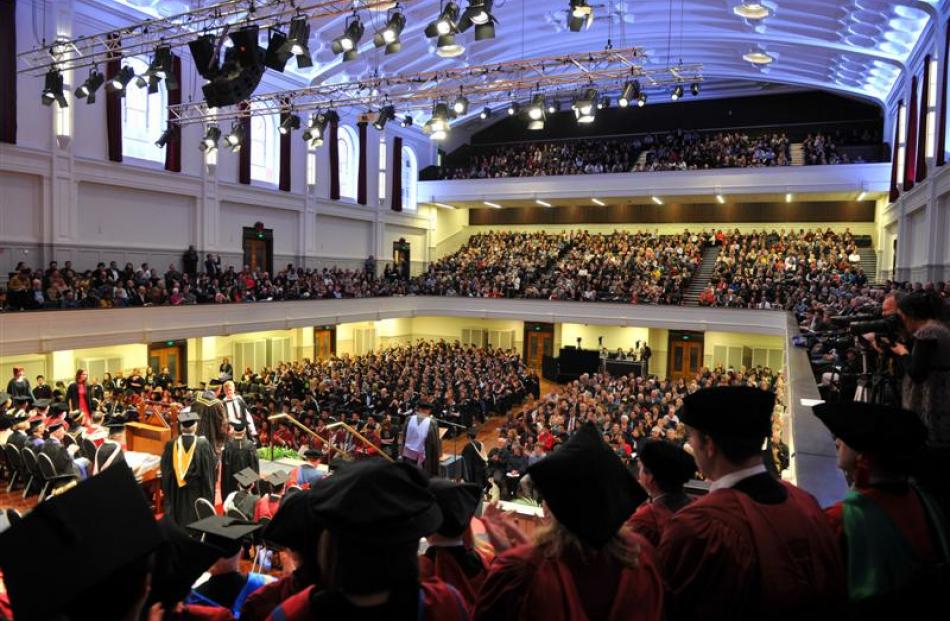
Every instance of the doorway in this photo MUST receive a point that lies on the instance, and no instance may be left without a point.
(686, 354)
(324, 342)
(258, 245)
(538, 343)
(169, 354)
(401, 257)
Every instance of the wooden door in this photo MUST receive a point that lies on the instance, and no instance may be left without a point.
(686, 358)
(171, 356)
(324, 343)
(537, 345)
(255, 254)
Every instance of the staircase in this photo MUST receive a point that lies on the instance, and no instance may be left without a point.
(869, 264)
(798, 154)
(702, 276)
(642, 160)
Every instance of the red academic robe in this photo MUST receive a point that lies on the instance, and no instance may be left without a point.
(191, 612)
(260, 603)
(266, 507)
(727, 556)
(440, 602)
(441, 564)
(649, 521)
(523, 584)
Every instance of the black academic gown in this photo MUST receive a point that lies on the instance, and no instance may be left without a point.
(212, 421)
(62, 462)
(237, 455)
(105, 453)
(474, 468)
(199, 480)
(433, 447)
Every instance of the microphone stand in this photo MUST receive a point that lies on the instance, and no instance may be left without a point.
(455, 438)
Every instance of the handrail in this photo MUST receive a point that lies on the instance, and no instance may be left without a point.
(361, 437)
(330, 427)
(300, 425)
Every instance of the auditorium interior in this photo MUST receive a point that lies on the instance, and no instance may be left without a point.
(504, 213)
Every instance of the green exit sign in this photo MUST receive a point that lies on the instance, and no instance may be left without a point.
(170, 343)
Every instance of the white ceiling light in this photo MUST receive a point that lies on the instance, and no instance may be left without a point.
(492, 205)
(657, 200)
(721, 199)
(542, 203)
(750, 9)
(599, 202)
(757, 57)
(444, 205)
(788, 197)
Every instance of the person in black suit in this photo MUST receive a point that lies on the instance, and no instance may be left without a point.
(226, 370)
(190, 261)
(42, 390)
(57, 453)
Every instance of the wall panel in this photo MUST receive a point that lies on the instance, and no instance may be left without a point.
(284, 222)
(21, 208)
(341, 237)
(120, 217)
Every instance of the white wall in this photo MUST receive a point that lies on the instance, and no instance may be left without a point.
(344, 237)
(111, 216)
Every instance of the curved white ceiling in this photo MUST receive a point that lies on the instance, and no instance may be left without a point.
(851, 46)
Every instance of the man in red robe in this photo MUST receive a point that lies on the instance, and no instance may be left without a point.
(663, 470)
(893, 534)
(754, 547)
(374, 513)
(586, 564)
(448, 556)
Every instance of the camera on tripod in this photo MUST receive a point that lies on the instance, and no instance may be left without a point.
(885, 328)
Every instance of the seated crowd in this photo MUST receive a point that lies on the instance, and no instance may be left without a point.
(822, 148)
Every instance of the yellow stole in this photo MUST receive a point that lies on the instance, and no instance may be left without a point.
(181, 459)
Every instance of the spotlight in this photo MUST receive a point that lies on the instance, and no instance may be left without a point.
(657, 200)
(438, 126)
(316, 130)
(161, 67)
(236, 137)
(348, 42)
(479, 13)
(240, 73)
(642, 100)
(485, 113)
(204, 52)
(677, 92)
(513, 108)
(603, 103)
(789, 197)
(446, 47)
(277, 54)
(389, 35)
(460, 106)
(388, 112)
(554, 107)
(631, 92)
(170, 134)
(298, 42)
(406, 121)
(90, 86)
(720, 199)
(694, 88)
(289, 124)
(210, 141)
(536, 109)
(121, 80)
(53, 89)
(446, 23)
(585, 108)
(580, 15)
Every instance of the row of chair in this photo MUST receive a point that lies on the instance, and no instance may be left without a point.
(35, 472)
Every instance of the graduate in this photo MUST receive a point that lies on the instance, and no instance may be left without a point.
(475, 461)
(111, 450)
(239, 453)
(753, 547)
(421, 444)
(305, 475)
(374, 513)
(212, 419)
(449, 557)
(188, 471)
(54, 448)
(894, 538)
(243, 499)
(268, 504)
(586, 564)
(663, 470)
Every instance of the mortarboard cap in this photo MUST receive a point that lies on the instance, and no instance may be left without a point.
(225, 533)
(245, 502)
(179, 562)
(735, 411)
(312, 453)
(247, 477)
(876, 429)
(423, 405)
(187, 417)
(61, 408)
(669, 464)
(278, 478)
(6, 422)
(116, 426)
(55, 424)
(587, 487)
(36, 422)
(294, 526)
(98, 527)
(458, 502)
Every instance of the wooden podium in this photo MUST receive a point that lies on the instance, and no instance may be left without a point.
(149, 436)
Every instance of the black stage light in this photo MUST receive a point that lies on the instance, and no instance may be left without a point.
(478, 13)
(388, 112)
(121, 80)
(234, 81)
(642, 100)
(460, 105)
(170, 134)
(210, 140)
(161, 66)
(677, 92)
(513, 108)
(316, 130)
(245, 45)
(204, 51)
(348, 43)
(406, 121)
(235, 139)
(580, 15)
(289, 124)
(277, 54)
(298, 41)
(631, 90)
(53, 89)
(485, 113)
(446, 23)
(88, 88)
(389, 35)
(694, 88)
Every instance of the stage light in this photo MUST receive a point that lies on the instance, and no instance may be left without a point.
(170, 134)
(460, 106)
(694, 88)
(240, 73)
(657, 200)
(598, 202)
(580, 15)
(204, 52)
(628, 95)
(88, 88)
(298, 41)
(347, 43)
(447, 47)
(289, 124)
(603, 103)
(479, 13)
(642, 100)
(542, 203)
(406, 121)
(277, 54)
(536, 109)
(585, 107)
(210, 141)
(485, 113)
(53, 89)
(446, 23)
(440, 117)
(388, 112)
(161, 66)
(677, 92)
(121, 80)
(245, 45)
(751, 10)
(513, 108)
(316, 130)
(554, 107)
(236, 138)
(388, 36)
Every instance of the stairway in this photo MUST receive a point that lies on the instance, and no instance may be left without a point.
(642, 160)
(869, 264)
(702, 276)
(798, 154)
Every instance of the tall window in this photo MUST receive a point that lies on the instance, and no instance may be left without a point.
(348, 154)
(382, 168)
(264, 159)
(143, 117)
(932, 109)
(901, 140)
(311, 166)
(410, 175)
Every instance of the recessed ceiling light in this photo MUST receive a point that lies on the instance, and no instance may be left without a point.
(757, 58)
(492, 205)
(657, 200)
(788, 197)
(862, 196)
(751, 10)
(444, 205)
(599, 202)
(721, 199)
(542, 203)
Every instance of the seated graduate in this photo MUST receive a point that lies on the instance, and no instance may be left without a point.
(55, 449)
(754, 546)
(894, 537)
(449, 557)
(586, 564)
(243, 499)
(374, 513)
(104, 531)
(663, 470)
(110, 451)
(226, 586)
(269, 502)
(239, 453)
(294, 535)
(305, 475)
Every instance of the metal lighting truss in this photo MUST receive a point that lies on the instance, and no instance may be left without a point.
(141, 38)
(557, 77)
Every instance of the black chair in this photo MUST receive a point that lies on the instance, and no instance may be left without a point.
(5, 469)
(50, 479)
(204, 508)
(19, 473)
(29, 460)
(236, 514)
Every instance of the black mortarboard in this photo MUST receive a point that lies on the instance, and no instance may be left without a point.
(458, 502)
(312, 453)
(55, 424)
(41, 403)
(668, 463)
(36, 422)
(424, 405)
(187, 417)
(875, 429)
(237, 425)
(245, 502)
(587, 487)
(224, 533)
(60, 408)
(247, 477)
(6, 422)
(294, 524)
(278, 478)
(97, 528)
(179, 562)
(376, 502)
(734, 411)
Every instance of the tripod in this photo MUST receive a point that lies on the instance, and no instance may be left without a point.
(455, 437)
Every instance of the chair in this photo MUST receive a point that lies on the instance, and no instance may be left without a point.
(204, 508)
(236, 514)
(5, 468)
(19, 473)
(88, 449)
(29, 460)
(50, 479)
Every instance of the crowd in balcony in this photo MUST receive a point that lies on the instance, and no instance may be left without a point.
(822, 148)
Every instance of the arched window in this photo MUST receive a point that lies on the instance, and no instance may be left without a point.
(410, 176)
(143, 117)
(348, 155)
(264, 158)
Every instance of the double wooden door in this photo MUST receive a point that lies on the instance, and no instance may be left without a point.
(170, 356)
(324, 343)
(536, 346)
